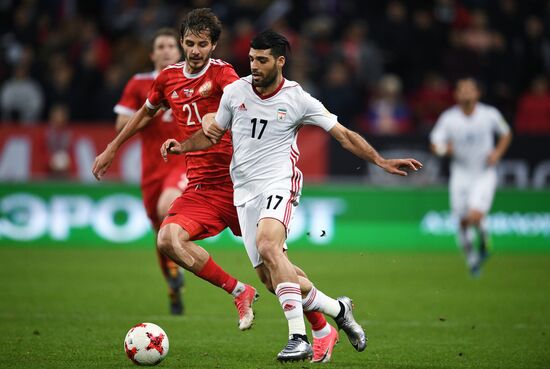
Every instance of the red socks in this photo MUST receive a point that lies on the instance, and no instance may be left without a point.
(214, 274)
(316, 319)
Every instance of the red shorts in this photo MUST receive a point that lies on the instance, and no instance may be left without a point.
(152, 190)
(204, 211)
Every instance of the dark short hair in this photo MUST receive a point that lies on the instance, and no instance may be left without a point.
(270, 39)
(166, 31)
(200, 20)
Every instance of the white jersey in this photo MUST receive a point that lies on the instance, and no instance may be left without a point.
(264, 131)
(472, 137)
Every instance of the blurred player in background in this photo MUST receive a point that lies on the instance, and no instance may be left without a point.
(161, 182)
(192, 89)
(264, 112)
(466, 133)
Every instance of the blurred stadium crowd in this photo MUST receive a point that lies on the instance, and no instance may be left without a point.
(384, 67)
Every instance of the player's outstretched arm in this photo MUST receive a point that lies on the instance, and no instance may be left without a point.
(198, 141)
(357, 145)
(103, 161)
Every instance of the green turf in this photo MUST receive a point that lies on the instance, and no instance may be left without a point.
(65, 308)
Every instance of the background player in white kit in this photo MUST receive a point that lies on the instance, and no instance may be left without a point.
(466, 133)
(264, 112)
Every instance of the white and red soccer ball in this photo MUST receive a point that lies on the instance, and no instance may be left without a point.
(146, 344)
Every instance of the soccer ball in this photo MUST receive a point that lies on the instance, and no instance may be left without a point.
(146, 344)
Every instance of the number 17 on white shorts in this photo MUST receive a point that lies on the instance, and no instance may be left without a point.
(276, 204)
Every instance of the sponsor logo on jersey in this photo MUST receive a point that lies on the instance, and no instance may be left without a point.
(281, 114)
(188, 92)
(205, 89)
(242, 107)
(174, 95)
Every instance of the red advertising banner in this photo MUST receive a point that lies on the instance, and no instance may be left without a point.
(42, 152)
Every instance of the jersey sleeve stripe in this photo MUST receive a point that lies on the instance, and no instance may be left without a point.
(150, 106)
(123, 110)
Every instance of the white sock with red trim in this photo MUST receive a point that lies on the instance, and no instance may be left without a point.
(318, 301)
(290, 298)
(322, 332)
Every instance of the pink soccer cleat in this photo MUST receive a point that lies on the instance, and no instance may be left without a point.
(322, 347)
(244, 302)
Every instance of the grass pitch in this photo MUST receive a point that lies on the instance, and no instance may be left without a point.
(71, 308)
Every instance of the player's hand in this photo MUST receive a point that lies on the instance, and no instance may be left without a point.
(400, 166)
(170, 146)
(207, 121)
(211, 129)
(450, 150)
(493, 159)
(102, 162)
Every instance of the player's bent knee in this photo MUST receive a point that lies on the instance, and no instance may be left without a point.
(164, 240)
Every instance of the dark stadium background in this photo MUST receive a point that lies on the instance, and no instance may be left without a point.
(77, 266)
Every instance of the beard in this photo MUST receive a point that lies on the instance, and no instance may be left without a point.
(267, 80)
(197, 64)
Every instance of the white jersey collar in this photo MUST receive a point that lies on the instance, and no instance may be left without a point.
(198, 74)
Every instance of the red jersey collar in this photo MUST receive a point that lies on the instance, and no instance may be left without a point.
(263, 97)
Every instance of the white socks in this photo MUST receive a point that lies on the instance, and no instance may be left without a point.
(290, 298)
(322, 333)
(483, 235)
(239, 288)
(318, 301)
(466, 239)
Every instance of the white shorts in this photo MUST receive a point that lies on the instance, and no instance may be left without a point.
(276, 204)
(473, 194)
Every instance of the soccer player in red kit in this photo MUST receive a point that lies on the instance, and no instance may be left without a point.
(161, 182)
(192, 89)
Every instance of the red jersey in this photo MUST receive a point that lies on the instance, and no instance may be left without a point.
(191, 96)
(161, 128)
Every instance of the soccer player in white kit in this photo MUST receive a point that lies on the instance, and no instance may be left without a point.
(466, 133)
(264, 112)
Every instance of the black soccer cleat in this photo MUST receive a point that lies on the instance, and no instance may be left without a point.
(176, 284)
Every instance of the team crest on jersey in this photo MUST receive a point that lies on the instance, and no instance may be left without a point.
(281, 114)
(188, 92)
(205, 89)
